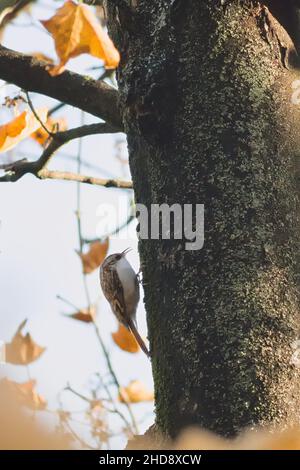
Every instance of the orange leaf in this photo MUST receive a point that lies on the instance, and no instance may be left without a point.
(135, 392)
(26, 394)
(76, 31)
(53, 125)
(22, 349)
(86, 315)
(94, 257)
(19, 128)
(125, 340)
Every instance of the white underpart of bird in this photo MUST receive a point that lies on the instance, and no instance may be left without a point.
(127, 278)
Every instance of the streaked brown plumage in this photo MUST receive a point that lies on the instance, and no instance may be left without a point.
(120, 286)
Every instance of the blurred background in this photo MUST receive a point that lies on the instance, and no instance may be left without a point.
(41, 276)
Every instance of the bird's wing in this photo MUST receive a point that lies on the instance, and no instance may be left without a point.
(113, 291)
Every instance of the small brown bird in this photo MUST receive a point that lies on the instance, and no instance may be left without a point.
(121, 288)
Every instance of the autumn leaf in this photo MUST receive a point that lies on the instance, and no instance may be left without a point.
(135, 392)
(94, 257)
(26, 394)
(125, 340)
(22, 349)
(85, 315)
(41, 136)
(76, 31)
(254, 439)
(19, 128)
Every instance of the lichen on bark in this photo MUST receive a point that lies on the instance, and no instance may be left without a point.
(207, 108)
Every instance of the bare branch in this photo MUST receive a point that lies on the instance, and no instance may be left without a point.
(37, 117)
(16, 170)
(86, 130)
(92, 96)
(10, 166)
(65, 175)
(22, 168)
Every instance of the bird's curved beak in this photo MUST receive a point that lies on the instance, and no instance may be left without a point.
(124, 253)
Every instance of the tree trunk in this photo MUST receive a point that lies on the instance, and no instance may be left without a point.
(207, 107)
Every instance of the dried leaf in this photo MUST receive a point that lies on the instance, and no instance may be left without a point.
(19, 128)
(22, 349)
(22, 430)
(85, 315)
(254, 439)
(135, 392)
(53, 125)
(94, 257)
(125, 340)
(76, 31)
(26, 394)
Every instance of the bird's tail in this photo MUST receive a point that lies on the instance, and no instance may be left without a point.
(138, 338)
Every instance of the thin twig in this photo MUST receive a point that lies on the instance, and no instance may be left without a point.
(56, 108)
(91, 401)
(67, 176)
(79, 395)
(115, 408)
(59, 297)
(78, 211)
(84, 277)
(10, 166)
(32, 108)
(77, 437)
(114, 377)
(18, 169)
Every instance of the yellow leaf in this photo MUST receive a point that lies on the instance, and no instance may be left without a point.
(135, 392)
(53, 125)
(26, 394)
(76, 31)
(125, 340)
(19, 128)
(94, 257)
(22, 349)
(85, 315)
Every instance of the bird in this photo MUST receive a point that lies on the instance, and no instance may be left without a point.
(120, 286)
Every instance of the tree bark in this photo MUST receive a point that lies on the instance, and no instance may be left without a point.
(206, 101)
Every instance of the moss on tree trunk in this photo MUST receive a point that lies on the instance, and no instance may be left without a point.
(207, 108)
